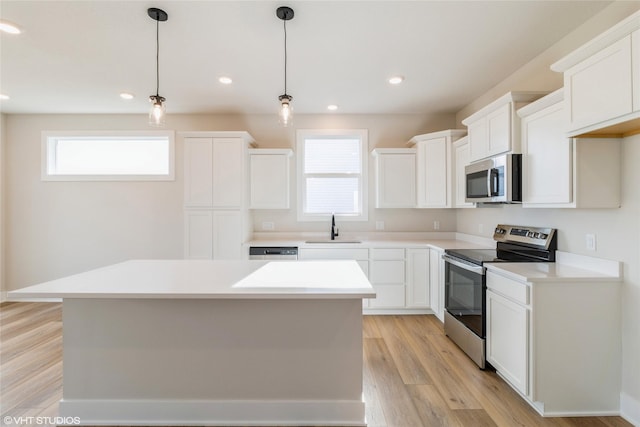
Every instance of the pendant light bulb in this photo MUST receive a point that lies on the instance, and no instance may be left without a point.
(157, 112)
(286, 112)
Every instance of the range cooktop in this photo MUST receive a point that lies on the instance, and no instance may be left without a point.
(514, 244)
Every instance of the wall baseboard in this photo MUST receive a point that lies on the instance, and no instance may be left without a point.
(152, 412)
(630, 409)
(3, 296)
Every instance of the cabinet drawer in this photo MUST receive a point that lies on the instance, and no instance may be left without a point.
(518, 292)
(387, 253)
(325, 253)
(387, 272)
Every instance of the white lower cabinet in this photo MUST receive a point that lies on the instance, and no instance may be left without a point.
(402, 277)
(418, 295)
(556, 343)
(435, 283)
(387, 276)
(508, 339)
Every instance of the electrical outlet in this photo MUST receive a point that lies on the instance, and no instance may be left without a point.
(268, 225)
(480, 228)
(436, 225)
(590, 240)
(379, 225)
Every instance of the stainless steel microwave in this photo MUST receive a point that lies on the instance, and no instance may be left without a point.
(495, 180)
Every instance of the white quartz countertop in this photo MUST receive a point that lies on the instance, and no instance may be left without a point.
(567, 268)
(210, 279)
(438, 244)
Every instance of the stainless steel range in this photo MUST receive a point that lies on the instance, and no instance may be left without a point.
(465, 284)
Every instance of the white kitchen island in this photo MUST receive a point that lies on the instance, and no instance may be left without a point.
(195, 342)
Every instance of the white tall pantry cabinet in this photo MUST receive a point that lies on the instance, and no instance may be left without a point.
(216, 217)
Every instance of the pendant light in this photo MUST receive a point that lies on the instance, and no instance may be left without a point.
(157, 111)
(286, 113)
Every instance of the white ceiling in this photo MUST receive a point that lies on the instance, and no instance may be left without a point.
(77, 56)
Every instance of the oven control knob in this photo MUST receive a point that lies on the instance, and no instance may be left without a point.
(500, 230)
(543, 236)
(530, 234)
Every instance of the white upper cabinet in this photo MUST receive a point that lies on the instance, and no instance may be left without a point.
(602, 82)
(493, 129)
(461, 159)
(395, 177)
(435, 168)
(215, 169)
(269, 178)
(559, 171)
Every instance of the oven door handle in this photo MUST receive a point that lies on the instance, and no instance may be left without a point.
(478, 269)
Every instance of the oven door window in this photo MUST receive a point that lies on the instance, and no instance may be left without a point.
(464, 297)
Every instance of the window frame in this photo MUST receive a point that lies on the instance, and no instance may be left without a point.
(49, 139)
(363, 136)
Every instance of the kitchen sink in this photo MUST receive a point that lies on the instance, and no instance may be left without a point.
(333, 241)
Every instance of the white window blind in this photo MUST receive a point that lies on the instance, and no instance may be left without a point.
(332, 174)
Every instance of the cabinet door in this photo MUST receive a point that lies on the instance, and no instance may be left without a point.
(198, 172)
(436, 283)
(227, 235)
(396, 181)
(478, 142)
(461, 154)
(600, 87)
(418, 295)
(433, 161)
(548, 158)
(387, 278)
(499, 130)
(508, 340)
(198, 234)
(269, 181)
(228, 172)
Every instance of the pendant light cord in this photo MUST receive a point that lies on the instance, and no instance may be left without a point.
(285, 55)
(157, 57)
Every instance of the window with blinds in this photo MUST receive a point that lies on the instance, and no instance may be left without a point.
(332, 174)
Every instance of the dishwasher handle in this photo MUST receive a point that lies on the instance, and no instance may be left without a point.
(265, 252)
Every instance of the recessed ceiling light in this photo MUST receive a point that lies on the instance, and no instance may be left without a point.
(4, 97)
(9, 27)
(126, 95)
(396, 80)
(332, 107)
(225, 80)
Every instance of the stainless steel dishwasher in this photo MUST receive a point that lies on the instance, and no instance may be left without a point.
(273, 252)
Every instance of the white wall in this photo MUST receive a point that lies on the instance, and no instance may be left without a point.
(54, 229)
(617, 230)
(384, 131)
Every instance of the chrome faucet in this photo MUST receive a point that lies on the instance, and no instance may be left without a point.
(334, 229)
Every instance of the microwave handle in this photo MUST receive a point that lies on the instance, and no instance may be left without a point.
(489, 186)
(493, 181)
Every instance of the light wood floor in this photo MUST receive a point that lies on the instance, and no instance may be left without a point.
(414, 375)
